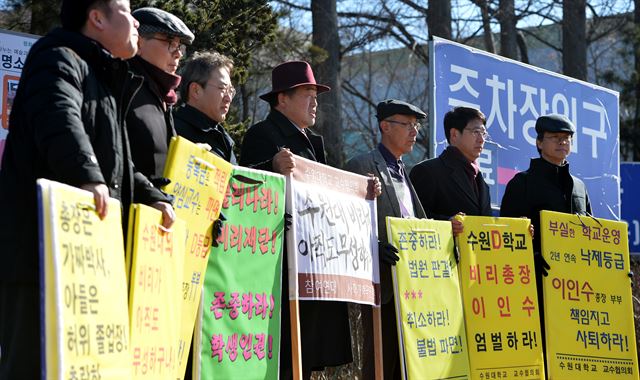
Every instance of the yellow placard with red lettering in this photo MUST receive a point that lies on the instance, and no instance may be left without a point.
(84, 288)
(588, 303)
(156, 257)
(199, 181)
(500, 299)
(429, 312)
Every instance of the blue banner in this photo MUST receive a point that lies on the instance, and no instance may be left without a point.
(513, 95)
(630, 203)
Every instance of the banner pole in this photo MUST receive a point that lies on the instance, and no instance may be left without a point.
(377, 341)
(296, 355)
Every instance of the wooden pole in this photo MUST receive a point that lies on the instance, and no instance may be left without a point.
(296, 354)
(377, 341)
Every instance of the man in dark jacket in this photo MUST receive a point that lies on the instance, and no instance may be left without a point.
(66, 125)
(546, 185)
(163, 40)
(207, 92)
(451, 183)
(398, 124)
(270, 145)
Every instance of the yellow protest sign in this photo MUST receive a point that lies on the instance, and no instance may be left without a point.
(198, 182)
(500, 299)
(588, 303)
(157, 258)
(85, 295)
(428, 302)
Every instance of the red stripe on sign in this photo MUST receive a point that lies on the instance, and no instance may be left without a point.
(505, 175)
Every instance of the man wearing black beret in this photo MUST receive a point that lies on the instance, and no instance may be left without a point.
(546, 185)
(399, 126)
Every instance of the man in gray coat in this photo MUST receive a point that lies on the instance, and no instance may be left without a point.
(398, 123)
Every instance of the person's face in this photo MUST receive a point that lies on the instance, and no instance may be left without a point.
(555, 147)
(162, 51)
(471, 140)
(214, 98)
(119, 30)
(300, 107)
(399, 133)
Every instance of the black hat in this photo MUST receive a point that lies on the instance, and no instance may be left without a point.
(154, 20)
(554, 123)
(73, 13)
(391, 107)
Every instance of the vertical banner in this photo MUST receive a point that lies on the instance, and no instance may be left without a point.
(333, 244)
(513, 95)
(83, 286)
(428, 302)
(14, 48)
(155, 258)
(588, 303)
(198, 182)
(240, 322)
(630, 204)
(500, 298)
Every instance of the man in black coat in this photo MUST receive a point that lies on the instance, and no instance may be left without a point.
(66, 125)
(398, 124)
(451, 183)
(546, 185)
(207, 92)
(163, 40)
(270, 145)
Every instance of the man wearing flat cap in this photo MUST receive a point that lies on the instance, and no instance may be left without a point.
(451, 183)
(399, 126)
(546, 185)
(270, 145)
(66, 126)
(162, 43)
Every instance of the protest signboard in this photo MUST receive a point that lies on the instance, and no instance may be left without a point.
(198, 183)
(513, 95)
(239, 328)
(500, 299)
(588, 304)
(429, 311)
(154, 259)
(83, 286)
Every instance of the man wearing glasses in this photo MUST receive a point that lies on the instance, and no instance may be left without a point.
(451, 183)
(398, 124)
(207, 92)
(163, 40)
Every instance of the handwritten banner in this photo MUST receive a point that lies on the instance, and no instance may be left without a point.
(500, 299)
(428, 301)
(240, 322)
(84, 290)
(333, 237)
(154, 260)
(198, 183)
(588, 303)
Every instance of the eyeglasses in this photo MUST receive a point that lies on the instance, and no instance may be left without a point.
(479, 133)
(558, 139)
(173, 46)
(408, 126)
(224, 89)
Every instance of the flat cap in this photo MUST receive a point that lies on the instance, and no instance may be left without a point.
(554, 123)
(154, 20)
(391, 107)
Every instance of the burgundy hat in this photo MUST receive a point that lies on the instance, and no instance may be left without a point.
(290, 75)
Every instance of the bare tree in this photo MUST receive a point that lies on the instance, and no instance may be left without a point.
(508, 32)
(325, 36)
(574, 39)
(439, 18)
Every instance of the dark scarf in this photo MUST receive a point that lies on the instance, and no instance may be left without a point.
(471, 168)
(163, 81)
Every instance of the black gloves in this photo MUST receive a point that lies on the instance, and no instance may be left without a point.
(542, 266)
(388, 253)
(287, 221)
(216, 229)
(160, 182)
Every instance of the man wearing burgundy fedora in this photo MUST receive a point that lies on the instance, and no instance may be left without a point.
(270, 145)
